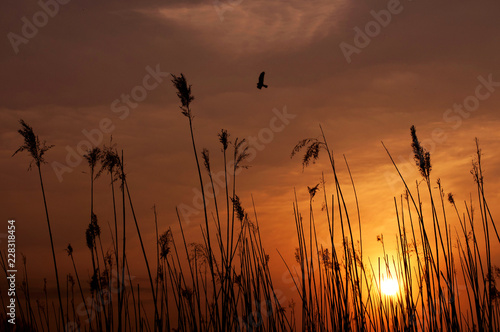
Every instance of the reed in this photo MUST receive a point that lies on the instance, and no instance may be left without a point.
(37, 150)
(223, 282)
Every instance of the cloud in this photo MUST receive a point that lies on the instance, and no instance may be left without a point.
(256, 27)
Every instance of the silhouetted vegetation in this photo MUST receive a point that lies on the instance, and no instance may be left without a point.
(224, 282)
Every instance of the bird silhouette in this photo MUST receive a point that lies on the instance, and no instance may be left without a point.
(261, 84)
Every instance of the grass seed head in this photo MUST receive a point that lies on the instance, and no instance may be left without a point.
(224, 139)
(184, 94)
(93, 156)
(422, 157)
(312, 146)
(32, 144)
(164, 242)
(206, 159)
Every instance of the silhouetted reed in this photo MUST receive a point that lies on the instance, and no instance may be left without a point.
(223, 282)
(69, 250)
(37, 149)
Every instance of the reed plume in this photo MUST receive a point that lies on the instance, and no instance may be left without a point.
(421, 156)
(37, 149)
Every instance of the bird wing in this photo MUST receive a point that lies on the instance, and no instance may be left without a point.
(261, 77)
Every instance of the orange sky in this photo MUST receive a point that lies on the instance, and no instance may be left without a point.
(71, 75)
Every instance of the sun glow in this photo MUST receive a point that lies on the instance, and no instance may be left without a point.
(389, 286)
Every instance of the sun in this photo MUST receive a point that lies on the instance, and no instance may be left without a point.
(389, 286)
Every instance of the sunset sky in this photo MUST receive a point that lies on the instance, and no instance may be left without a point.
(365, 70)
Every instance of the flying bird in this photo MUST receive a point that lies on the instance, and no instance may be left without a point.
(261, 84)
